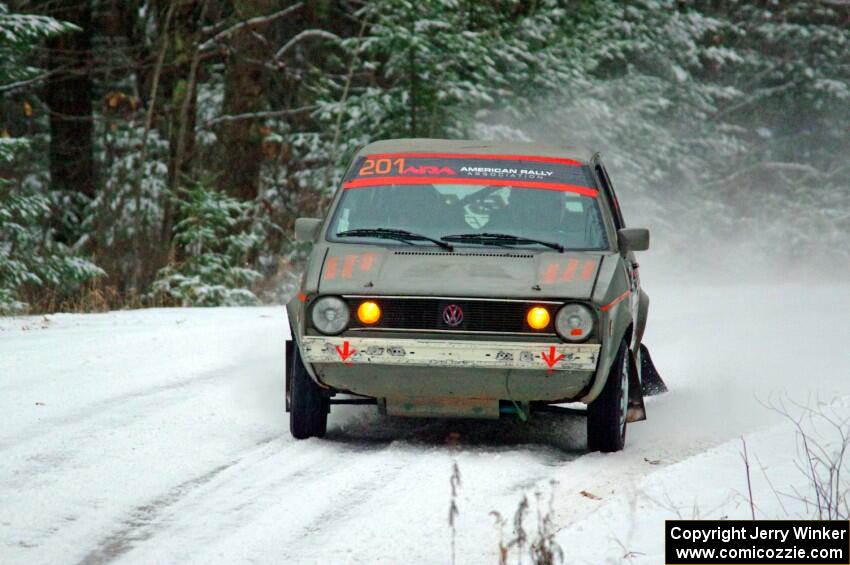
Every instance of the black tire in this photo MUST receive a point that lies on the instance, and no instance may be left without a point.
(308, 408)
(606, 416)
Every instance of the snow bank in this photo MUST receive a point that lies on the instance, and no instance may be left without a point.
(711, 485)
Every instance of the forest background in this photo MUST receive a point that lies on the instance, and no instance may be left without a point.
(157, 152)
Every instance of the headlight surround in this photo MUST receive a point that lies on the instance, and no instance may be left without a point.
(574, 322)
(330, 315)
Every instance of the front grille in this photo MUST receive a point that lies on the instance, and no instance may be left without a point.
(426, 314)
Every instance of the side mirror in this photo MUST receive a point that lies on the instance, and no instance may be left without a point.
(306, 229)
(633, 239)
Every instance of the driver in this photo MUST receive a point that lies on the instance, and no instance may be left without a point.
(529, 211)
(418, 208)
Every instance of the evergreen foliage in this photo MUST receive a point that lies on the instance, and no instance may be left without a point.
(214, 240)
(723, 120)
(31, 261)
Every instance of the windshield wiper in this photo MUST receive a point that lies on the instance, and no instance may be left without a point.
(500, 239)
(390, 233)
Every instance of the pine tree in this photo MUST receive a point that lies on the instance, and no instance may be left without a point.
(214, 235)
(31, 261)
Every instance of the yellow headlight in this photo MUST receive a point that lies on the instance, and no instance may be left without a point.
(538, 318)
(369, 312)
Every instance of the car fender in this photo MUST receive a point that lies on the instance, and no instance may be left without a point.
(308, 287)
(296, 341)
(640, 323)
(296, 308)
(614, 303)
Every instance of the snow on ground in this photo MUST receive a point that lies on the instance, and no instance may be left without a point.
(711, 485)
(159, 436)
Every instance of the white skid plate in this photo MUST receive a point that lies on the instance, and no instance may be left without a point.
(442, 353)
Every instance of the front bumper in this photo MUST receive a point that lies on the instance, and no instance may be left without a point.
(451, 353)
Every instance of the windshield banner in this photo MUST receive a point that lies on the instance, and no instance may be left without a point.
(547, 173)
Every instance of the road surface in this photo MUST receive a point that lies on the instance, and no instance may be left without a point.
(159, 436)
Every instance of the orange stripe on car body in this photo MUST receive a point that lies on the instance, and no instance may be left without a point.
(551, 273)
(570, 270)
(348, 266)
(588, 270)
(615, 301)
(330, 269)
(366, 262)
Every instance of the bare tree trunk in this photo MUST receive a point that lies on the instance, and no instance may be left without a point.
(69, 97)
(412, 82)
(186, 116)
(185, 40)
(186, 25)
(244, 93)
(141, 244)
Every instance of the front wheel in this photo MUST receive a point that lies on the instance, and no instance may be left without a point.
(606, 416)
(308, 408)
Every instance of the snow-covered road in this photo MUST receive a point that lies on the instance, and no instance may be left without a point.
(160, 437)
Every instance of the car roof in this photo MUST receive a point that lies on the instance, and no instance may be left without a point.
(476, 147)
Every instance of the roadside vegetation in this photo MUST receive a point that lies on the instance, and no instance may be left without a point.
(823, 446)
(539, 545)
(809, 483)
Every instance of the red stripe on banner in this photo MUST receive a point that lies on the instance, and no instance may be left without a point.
(383, 181)
(615, 301)
(532, 158)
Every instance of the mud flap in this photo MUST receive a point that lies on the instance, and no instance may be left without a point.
(651, 383)
(637, 411)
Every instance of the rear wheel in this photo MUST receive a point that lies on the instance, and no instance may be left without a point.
(308, 408)
(606, 416)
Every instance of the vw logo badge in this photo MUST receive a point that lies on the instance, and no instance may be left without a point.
(453, 315)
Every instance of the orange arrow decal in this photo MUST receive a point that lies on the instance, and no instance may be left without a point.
(345, 352)
(552, 358)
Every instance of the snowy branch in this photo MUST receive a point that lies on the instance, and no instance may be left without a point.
(306, 34)
(251, 22)
(256, 115)
(30, 81)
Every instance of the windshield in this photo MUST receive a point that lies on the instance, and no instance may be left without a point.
(526, 207)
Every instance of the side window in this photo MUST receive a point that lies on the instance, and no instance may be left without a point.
(612, 196)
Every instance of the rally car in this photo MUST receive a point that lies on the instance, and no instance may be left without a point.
(471, 279)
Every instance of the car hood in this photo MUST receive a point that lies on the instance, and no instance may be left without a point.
(484, 272)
